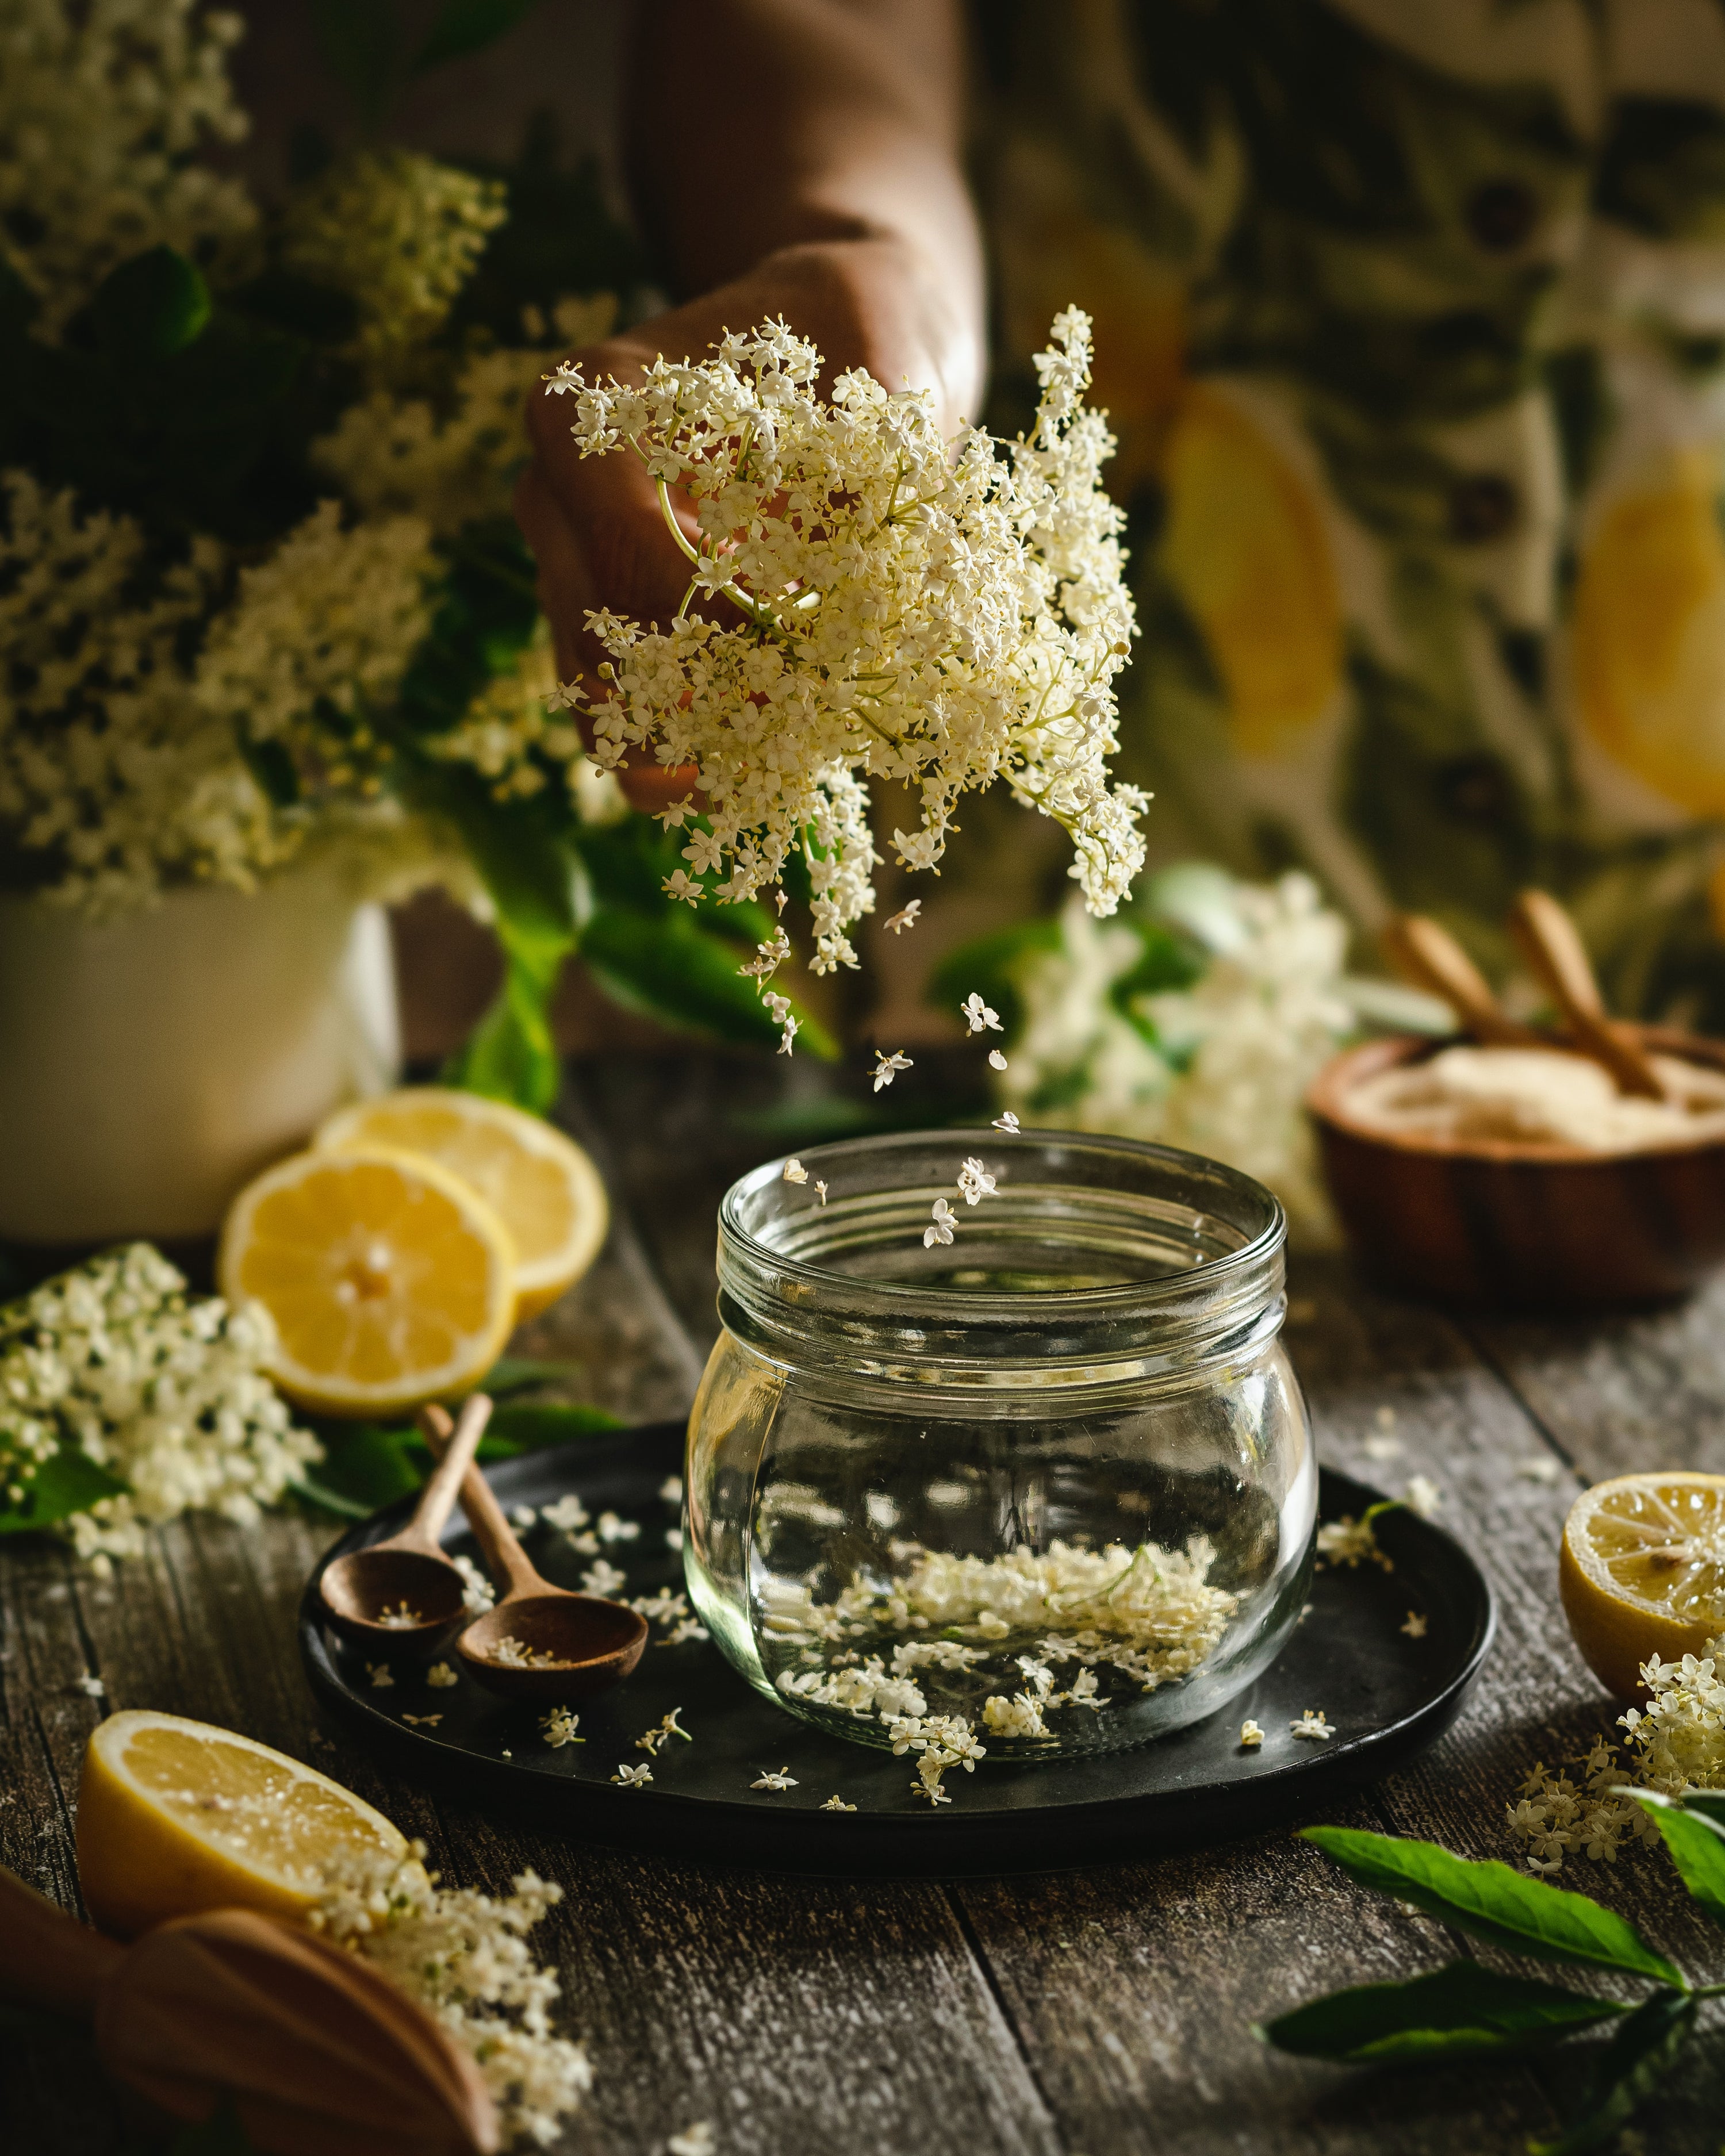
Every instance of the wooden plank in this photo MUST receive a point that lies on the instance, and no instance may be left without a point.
(1622, 1392)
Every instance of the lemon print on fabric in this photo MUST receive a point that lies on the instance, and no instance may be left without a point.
(1246, 547)
(1650, 633)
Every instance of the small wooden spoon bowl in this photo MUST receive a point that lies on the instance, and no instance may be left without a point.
(410, 1574)
(1506, 1225)
(595, 1643)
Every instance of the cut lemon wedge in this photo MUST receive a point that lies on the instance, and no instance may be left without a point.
(175, 1816)
(1643, 1572)
(541, 1185)
(390, 1281)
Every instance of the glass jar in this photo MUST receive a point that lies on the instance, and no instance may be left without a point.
(1052, 1483)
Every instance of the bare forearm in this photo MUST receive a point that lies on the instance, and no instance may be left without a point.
(759, 129)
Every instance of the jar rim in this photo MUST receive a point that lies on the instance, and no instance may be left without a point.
(1256, 1216)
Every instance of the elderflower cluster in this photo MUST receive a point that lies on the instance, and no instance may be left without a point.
(464, 1957)
(455, 460)
(940, 616)
(1679, 1741)
(113, 1361)
(399, 233)
(1554, 1816)
(1220, 1067)
(104, 109)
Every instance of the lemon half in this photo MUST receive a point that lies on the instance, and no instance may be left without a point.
(542, 1187)
(391, 1281)
(1643, 1571)
(175, 1816)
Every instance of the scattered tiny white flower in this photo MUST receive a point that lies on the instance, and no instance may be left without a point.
(614, 1530)
(568, 1514)
(1541, 1467)
(633, 1778)
(558, 1728)
(1380, 1447)
(604, 1579)
(379, 1672)
(522, 1518)
(997, 1061)
(1009, 1123)
(422, 1721)
(781, 1780)
(794, 1172)
(670, 1491)
(887, 1067)
(1250, 1736)
(697, 2140)
(1414, 1625)
(477, 1592)
(674, 1539)
(977, 1016)
(1312, 1723)
(507, 1753)
(441, 1677)
(942, 1230)
(897, 923)
(1349, 1541)
(975, 1183)
(689, 1628)
(93, 1688)
(838, 1804)
(1422, 1495)
(820, 1192)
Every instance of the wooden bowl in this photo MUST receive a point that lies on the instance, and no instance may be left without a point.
(1521, 1226)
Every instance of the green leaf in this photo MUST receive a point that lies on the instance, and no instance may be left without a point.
(1632, 2066)
(1493, 1903)
(511, 1054)
(517, 1374)
(152, 306)
(1459, 2009)
(70, 1481)
(671, 968)
(1708, 1804)
(468, 26)
(528, 1425)
(1697, 1849)
(367, 1464)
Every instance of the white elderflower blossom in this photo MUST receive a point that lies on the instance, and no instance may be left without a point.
(478, 1594)
(910, 614)
(400, 234)
(567, 1514)
(700, 2139)
(997, 1061)
(1422, 1495)
(1414, 1625)
(1251, 1736)
(463, 1956)
(820, 1192)
(887, 1067)
(558, 1728)
(104, 110)
(112, 1360)
(977, 1017)
(1008, 1123)
(940, 1230)
(781, 1780)
(632, 1778)
(92, 1686)
(905, 917)
(794, 1172)
(975, 1183)
(1679, 1741)
(1221, 1067)
(441, 1677)
(1312, 1723)
(835, 1804)
(379, 1675)
(1554, 1815)
(1352, 1542)
(603, 1579)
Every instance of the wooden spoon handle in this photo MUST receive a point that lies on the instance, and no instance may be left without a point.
(46, 1958)
(1548, 940)
(496, 1538)
(1429, 957)
(437, 1499)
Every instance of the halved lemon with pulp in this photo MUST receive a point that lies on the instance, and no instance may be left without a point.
(175, 1816)
(540, 1184)
(391, 1281)
(1643, 1571)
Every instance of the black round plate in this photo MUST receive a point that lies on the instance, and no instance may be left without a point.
(1386, 1695)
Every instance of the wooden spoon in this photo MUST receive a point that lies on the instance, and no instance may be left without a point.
(569, 1644)
(1548, 940)
(321, 2055)
(1429, 956)
(404, 1596)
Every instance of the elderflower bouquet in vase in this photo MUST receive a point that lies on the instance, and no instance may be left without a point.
(998, 1454)
(273, 649)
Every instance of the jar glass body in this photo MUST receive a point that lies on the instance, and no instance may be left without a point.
(1054, 1479)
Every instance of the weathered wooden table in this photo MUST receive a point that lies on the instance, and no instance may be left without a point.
(1082, 2011)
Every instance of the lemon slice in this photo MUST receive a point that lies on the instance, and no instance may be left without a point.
(1643, 1571)
(541, 1185)
(175, 1816)
(390, 1281)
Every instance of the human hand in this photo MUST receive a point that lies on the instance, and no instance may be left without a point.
(595, 524)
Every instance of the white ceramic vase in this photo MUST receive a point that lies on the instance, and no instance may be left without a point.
(150, 1065)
